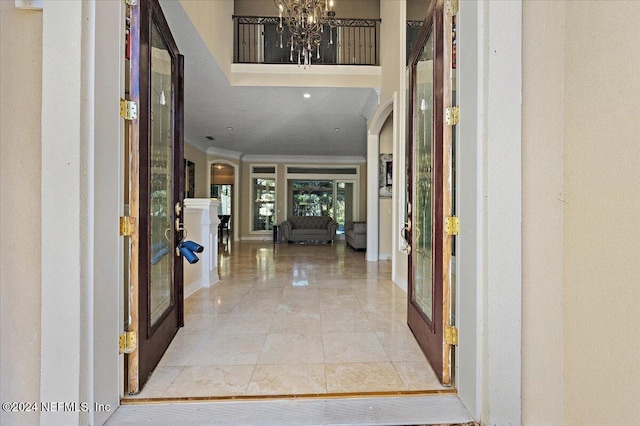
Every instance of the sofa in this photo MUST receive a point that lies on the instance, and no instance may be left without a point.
(309, 228)
(355, 234)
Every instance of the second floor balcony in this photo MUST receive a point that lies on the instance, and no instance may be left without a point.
(345, 42)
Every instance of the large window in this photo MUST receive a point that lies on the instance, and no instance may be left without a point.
(311, 197)
(322, 198)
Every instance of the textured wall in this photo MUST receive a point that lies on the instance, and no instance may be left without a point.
(366, 9)
(211, 19)
(601, 238)
(385, 222)
(542, 202)
(202, 169)
(20, 272)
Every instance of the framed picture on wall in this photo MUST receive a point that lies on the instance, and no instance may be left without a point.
(189, 179)
(385, 174)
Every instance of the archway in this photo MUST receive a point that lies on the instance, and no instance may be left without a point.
(233, 179)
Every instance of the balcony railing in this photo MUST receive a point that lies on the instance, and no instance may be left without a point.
(351, 42)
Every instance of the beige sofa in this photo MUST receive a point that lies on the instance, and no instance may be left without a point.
(309, 228)
(355, 234)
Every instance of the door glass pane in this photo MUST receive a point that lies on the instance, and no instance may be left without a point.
(311, 197)
(161, 166)
(423, 165)
(264, 196)
(223, 194)
(344, 204)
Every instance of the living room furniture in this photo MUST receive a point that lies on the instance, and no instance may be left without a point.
(309, 228)
(223, 226)
(355, 234)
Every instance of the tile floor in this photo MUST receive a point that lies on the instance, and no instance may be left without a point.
(293, 319)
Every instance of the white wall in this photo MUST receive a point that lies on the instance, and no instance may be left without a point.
(20, 157)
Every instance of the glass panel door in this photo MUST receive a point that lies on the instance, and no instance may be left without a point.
(311, 197)
(264, 204)
(156, 181)
(429, 203)
(344, 204)
(423, 179)
(161, 181)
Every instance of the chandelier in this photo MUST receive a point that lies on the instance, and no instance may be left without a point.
(306, 20)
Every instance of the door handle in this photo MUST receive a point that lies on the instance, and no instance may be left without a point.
(178, 208)
(403, 234)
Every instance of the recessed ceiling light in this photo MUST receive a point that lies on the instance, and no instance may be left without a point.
(337, 129)
(307, 96)
(229, 128)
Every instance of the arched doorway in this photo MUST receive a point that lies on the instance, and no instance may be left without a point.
(224, 185)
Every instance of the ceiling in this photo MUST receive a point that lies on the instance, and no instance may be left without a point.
(265, 120)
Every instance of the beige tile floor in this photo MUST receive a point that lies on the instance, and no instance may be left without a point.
(292, 319)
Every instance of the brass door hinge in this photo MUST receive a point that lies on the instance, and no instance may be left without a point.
(127, 226)
(452, 7)
(131, 2)
(452, 115)
(451, 335)
(128, 109)
(452, 225)
(127, 342)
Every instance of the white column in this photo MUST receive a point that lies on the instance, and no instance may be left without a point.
(373, 157)
(65, 245)
(201, 221)
(503, 211)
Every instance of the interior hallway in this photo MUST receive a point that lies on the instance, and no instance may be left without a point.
(293, 319)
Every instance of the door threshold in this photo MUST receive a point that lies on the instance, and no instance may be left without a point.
(186, 399)
(420, 408)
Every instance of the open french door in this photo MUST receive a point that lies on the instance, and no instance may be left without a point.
(429, 190)
(156, 186)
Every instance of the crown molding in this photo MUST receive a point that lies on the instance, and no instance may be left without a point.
(196, 145)
(305, 159)
(227, 153)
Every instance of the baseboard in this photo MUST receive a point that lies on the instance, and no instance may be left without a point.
(193, 287)
(384, 256)
(265, 238)
(400, 282)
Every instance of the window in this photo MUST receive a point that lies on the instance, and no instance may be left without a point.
(323, 198)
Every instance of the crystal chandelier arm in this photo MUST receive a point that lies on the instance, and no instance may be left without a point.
(305, 20)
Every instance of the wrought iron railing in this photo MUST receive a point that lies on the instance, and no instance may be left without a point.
(349, 42)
